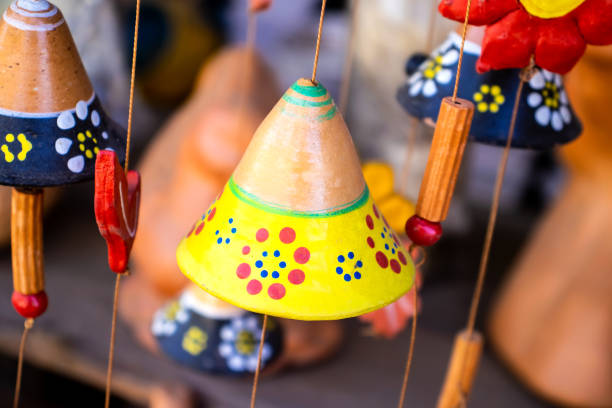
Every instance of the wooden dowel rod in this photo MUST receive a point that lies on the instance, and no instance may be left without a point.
(27, 241)
(445, 156)
(461, 371)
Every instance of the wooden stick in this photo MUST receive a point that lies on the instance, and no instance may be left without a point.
(445, 156)
(27, 241)
(461, 370)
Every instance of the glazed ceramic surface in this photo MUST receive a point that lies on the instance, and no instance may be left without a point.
(295, 233)
(214, 340)
(52, 124)
(545, 118)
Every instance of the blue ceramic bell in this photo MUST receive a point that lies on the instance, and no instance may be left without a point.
(545, 118)
(52, 125)
(207, 334)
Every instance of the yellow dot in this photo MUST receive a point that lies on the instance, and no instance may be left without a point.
(8, 156)
(500, 99)
(429, 73)
(482, 107)
(549, 102)
(88, 133)
(555, 103)
(438, 68)
(495, 90)
(95, 140)
(478, 97)
(96, 150)
(89, 154)
(10, 138)
(494, 108)
(439, 59)
(82, 147)
(81, 137)
(545, 94)
(485, 89)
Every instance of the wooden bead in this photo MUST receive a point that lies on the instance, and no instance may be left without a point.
(27, 241)
(461, 370)
(450, 137)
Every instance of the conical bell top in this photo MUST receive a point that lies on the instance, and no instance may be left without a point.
(315, 165)
(51, 123)
(295, 233)
(40, 66)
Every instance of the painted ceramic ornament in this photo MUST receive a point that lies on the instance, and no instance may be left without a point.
(116, 205)
(545, 117)
(556, 32)
(52, 128)
(209, 335)
(52, 122)
(390, 320)
(295, 233)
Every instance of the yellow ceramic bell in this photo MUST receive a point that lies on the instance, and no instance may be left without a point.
(295, 233)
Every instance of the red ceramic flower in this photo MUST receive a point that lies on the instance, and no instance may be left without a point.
(556, 32)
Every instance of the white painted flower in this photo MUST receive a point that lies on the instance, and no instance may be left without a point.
(549, 100)
(86, 140)
(240, 343)
(166, 320)
(434, 71)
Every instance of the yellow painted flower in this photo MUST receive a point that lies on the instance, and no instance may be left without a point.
(195, 341)
(489, 98)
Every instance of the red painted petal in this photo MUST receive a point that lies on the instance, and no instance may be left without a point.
(482, 12)
(559, 45)
(595, 21)
(509, 43)
(259, 5)
(116, 205)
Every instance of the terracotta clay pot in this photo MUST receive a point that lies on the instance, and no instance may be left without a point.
(552, 323)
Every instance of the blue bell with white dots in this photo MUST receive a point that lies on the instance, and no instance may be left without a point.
(545, 117)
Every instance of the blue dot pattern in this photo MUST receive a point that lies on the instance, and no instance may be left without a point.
(346, 270)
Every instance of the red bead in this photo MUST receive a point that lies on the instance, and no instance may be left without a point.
(30, 306)
(422, 232)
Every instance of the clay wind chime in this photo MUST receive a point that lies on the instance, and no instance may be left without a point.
(544, 39)
(295, 232)
(53, 126)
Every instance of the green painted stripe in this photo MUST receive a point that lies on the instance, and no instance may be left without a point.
(256, 202)
(306, 103)
(309, 90)
(327, 116)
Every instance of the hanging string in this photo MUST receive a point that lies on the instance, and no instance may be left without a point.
(258, 368)
(251, 30)
(501, 171)
(465, 27)
(431, 28)
(316, 59)
(348, 61)
(414, 122)
(132, 82)
(412, 341)
(27, 326)
(111, 349)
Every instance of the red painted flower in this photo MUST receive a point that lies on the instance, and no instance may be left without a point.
(555, 32)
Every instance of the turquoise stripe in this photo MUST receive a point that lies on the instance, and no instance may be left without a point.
(327, 116)
(256, 202)
(309, 90)
(306, 103)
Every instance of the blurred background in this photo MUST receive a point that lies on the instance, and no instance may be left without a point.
(66, 353)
